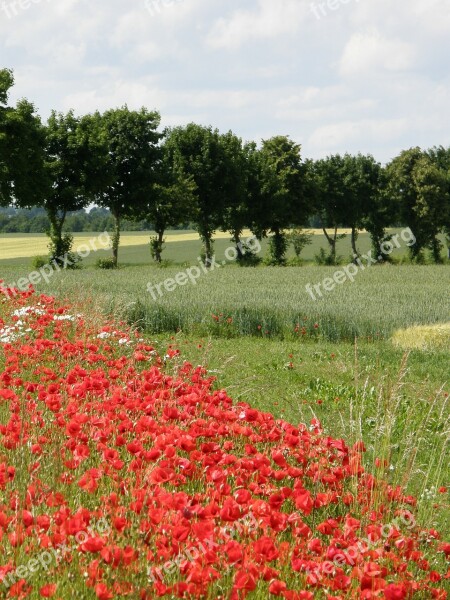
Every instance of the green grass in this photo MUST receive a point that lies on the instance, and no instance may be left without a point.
(264, 301)
(397, 403)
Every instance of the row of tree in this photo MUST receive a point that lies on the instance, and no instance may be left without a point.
(94, 219)
(120, 160)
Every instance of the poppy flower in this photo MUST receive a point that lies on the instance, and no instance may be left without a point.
(48, 591)
(102, 592)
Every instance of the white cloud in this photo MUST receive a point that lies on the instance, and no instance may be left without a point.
(270, 20)
(229, 99)
(337, 136)
(121, 92)
(146, 52)
(409, 17)
(371, 75)
(365, 53)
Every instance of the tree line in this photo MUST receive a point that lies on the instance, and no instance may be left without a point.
(121, 161)
(93, 219)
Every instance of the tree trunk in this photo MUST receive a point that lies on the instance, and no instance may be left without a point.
(56, 247)
(278, 247)
(159, 245)
(208, 250)
(116, 239)
(377, 236)
(236, 235)
(354, 248)
(436, 251)
(332, 242)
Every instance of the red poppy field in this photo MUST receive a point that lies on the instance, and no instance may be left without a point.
(127, 474)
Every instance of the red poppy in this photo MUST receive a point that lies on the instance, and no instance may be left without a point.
(102, 592)
(47, 591)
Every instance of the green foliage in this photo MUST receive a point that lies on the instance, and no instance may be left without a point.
(124, 153)
(171, 201)
(66, 168)
(201, 154)
(35, 220)
(324, 259)
(236, 213)
(156, 247)
(60, 250)
(278, 187)
(6, 83)
(299, 239)
(105, 263)
(22, 175)
(39, 261)
(212, 180)
(420, 190)
(278, 245)
(248, 255)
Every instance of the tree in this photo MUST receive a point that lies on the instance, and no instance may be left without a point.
(200, 154)
(22, 175)
(125, 159)
(6, 82)
(361, 188)
(420, 191)
(171, 202)
(432, 203)
(235, 216)
(278, 198)
(440, 157)
(331, 198)
(71, 187)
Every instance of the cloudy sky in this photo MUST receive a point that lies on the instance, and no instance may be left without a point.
(336, 75)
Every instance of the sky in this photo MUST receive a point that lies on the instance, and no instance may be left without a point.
(368, 76)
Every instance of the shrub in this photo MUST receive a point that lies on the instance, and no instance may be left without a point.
(278, 246)
(299, 240)
(105, 263)
(249, 260)
(156, 248)
(324, 259)
(61, 252)
(39, 261)
(248, 255)
(165, 263)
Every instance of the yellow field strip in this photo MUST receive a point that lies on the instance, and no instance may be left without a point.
(29, 245)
